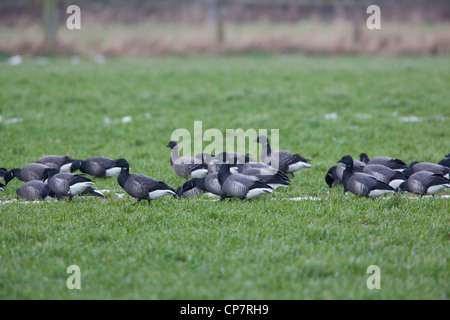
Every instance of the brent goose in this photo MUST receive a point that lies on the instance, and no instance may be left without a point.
(385, 174)
(97, 167)
(192, 187)
(66, 184)
(427, 166)
(239, 185)
(186, 167)
(425, 182)
(31, 171)
(139, 186)
(62, 163)
(362, 184)
(445, 162)
(331, 177)
(34, 190)
(358, 166)
(392, 163)
(2, 173)
(282, 160)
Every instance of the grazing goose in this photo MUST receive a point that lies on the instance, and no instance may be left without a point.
(97, 167)
(425, 182)
(190, 193)
(385, 174)
(2, 173)
(275, 181)
(192, 187)
(362, 184)
(66, 184)
(34, 190)
(31, 171)
(331, 177)
(358, 166)
(426, 166)
(282, 160)
(445, 162)
(392, 163)
(186, 167)
(233, 158)
(239, 185)
(61, 163)
(139, 186)
(1, 186)
(89, 191)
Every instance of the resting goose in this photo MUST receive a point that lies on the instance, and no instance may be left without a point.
(139, 186)
(425, 182)
(282, 160)
(31, 171)
(34, 190)
(97, 167)
(66, 184)
(186, 167)
(239, 185)
(62, 163)
(427, 166)
(385, 174)
(392, 163)
(362, 184)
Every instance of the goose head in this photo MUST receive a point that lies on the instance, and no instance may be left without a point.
(171, 144)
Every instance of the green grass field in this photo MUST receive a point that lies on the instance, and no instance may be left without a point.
(267, 248)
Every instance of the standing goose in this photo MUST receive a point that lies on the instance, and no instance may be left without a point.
(427, 166)
(186, 167)
(392, 163)
(362, 184)
(139, 186)
(425, 182)
(66, 184)
(31, 171)
(445, 162)
(62, 163)
(385, 174)
(282, 160)
(34, 190)
(97, 167)
(239, 185)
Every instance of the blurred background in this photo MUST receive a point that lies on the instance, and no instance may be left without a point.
(210, 27)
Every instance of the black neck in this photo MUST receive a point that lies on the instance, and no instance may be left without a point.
(123, 176)
(17, 173)
(348, 172)
(223, 174)
(200, 183)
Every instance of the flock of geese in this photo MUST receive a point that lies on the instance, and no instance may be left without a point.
(227, 175)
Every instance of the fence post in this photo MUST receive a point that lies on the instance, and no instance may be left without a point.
(51, 22)
(356, 21)
(216, 16)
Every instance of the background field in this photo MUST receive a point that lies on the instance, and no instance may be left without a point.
(269, 248)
